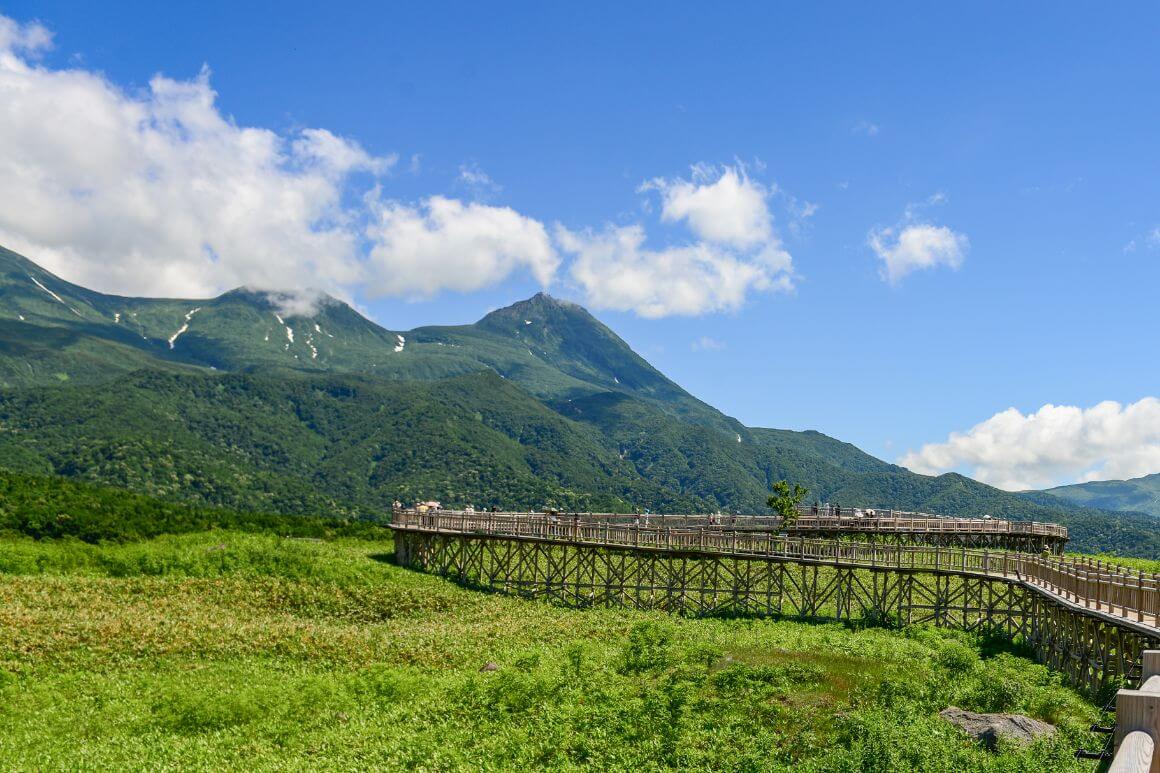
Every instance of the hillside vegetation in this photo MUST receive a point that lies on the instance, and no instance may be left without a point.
(1139, 494)
(349, 445)
(53, 508)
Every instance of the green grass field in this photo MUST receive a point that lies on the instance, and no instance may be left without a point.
(225, 649)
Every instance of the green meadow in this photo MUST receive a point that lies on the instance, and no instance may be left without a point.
(243, 649)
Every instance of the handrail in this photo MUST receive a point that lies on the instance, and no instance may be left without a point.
(1138, 720)
(1093, 584)
(830, 519)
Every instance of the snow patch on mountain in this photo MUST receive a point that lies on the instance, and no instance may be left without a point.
(189, 315)
(54, 295)
(401, 343)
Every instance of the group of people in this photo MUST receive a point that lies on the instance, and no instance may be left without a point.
(836, 511)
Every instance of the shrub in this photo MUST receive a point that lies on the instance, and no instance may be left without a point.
(648, 648)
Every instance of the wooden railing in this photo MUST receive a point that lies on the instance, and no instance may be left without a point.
(847, 519)
(1138, 721)
(1129, 594)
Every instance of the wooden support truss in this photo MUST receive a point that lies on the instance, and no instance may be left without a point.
(1092, 651)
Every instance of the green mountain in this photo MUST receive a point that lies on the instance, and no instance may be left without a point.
(106, 335)
(553, 349)
(1139, 494)
(231, 402)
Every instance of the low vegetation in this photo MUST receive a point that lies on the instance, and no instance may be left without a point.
(234, 648)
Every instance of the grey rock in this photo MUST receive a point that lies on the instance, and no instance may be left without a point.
(489, 666)
(988, 727)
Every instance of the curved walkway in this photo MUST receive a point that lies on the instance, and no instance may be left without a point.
(1127, 597)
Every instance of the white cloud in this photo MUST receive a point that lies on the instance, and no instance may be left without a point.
(336, 155)
(735, 251)
(477, 180)
(1150, 240)
(447, 244)
(156, 192)
(707, 344)
(159, 193)
(913, 247)
(617, 271)
(866, 127)
(1056, 444)
(730, 210)
(29, 39)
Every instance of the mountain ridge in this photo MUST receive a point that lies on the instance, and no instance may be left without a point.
(555, 349)
(1141, 494)
(537, 403)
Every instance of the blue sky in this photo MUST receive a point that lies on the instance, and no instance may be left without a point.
(1020, 143)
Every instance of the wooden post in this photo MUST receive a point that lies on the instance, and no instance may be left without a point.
(1136, 712)
(1136, 752)
(1137, 716)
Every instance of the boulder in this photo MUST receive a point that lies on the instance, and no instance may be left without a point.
(489, 666)
(988, 727)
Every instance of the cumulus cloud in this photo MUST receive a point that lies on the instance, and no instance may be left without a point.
(1056, 444)
(910, 248)
(447, 244)
(159, 193)
(730, 210)
(617, 271)
(735, 250)
(156, 192)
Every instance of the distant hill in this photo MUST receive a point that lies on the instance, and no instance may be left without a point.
(1140, 494)
(231, 402)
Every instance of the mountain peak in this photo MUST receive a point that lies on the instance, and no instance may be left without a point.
(540, 307)
(298, 304)
(542, 299)
(534, 317)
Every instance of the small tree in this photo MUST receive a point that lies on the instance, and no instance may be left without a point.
(784, 501)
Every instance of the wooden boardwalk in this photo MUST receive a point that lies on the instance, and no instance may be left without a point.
(1090, 619)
